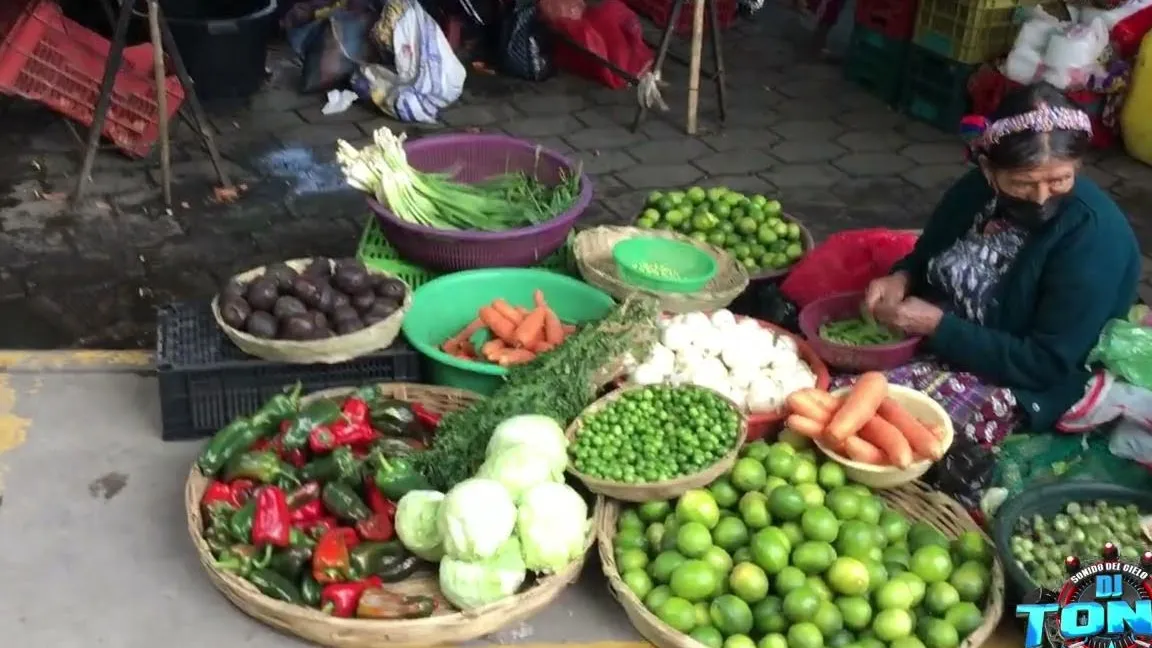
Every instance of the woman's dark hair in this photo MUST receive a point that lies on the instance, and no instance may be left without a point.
(1029, 148)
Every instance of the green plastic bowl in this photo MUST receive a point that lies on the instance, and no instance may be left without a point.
(691, 267)
(444, 306)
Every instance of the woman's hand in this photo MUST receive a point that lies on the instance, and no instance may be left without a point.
(886, 292)
(914, 316)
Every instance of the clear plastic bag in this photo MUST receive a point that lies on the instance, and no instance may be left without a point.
(1125, 349)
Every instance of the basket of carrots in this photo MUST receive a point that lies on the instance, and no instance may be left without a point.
(883, 435)
(474, 326)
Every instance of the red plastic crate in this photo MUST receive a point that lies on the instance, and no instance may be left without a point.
(51, 60)
(895, 19)
(659, 11)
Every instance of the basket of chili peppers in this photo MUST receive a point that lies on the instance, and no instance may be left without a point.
(292, 512)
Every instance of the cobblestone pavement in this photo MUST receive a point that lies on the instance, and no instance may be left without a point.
(90, 276)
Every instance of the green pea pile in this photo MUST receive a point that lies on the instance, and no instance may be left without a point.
(657, 270)
(656, 433)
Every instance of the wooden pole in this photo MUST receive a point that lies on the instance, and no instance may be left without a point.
(161, 101)
(694, 63)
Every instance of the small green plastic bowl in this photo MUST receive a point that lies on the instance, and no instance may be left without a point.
(690, 267)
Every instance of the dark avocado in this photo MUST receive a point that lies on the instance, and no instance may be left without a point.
(306, 290)
(261, 324)
(282, 274)
(235, 311)
(339, 300)
(233, 289)
(298, 327)
(391, 288)
(320, 267)
(287, 306)
(363, 301)
(327, 298)
(262, 294)
(351, 262)
(350, 325)
(351, 279)
(381, 310)
(319, 320)
(344, 313)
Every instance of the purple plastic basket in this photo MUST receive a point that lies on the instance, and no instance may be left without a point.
(866, 358)
(474, 158)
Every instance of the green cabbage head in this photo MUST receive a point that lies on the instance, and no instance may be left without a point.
(469, 585)
(418, 523)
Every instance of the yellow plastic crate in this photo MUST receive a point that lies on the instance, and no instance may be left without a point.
(972, 31)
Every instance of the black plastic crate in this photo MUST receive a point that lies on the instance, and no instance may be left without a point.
(206, 382)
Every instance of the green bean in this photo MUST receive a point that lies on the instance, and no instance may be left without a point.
(857, 332)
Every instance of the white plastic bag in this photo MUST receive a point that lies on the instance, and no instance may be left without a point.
(1024, 66)
(1073, 54)
(1036, 30)
(428, 75)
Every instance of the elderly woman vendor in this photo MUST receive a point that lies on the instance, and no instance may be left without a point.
(1012, 280)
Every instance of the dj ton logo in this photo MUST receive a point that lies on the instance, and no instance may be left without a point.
(1106, 604)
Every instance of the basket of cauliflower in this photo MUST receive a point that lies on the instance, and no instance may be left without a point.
(752, 362)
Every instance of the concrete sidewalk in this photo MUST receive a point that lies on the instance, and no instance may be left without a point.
(94, 549)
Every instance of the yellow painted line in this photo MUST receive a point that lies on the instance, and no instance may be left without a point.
(79, 360)
(13, 429)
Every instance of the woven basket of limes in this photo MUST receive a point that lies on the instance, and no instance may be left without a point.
(784, 551)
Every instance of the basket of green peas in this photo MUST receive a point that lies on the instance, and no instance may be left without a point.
(1036, 530)
(648, 442)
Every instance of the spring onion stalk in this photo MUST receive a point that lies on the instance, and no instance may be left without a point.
(436, 200)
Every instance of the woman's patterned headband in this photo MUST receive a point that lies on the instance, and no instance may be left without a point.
(1041, 120)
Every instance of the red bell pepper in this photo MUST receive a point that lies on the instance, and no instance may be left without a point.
(244, 489)
(219, 495)
(307, 513)
(376, 500)
(317, 528)
(331, 561)
(271, 523)
(321, 439)
(377, 528)
(326, 438)
(341, 599)
(427, 418)
(351, 538)
(355, 410)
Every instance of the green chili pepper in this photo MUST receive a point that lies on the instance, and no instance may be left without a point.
(276, 586)
(265, 467)
(278, 409)
(243, 559)
(339, 465)
(344, 503)
(398, 569)
(396, 477)
(322, 412)
(394, 418)
(240, 525)
(310, 590)
(239, 435)
(367, 558)
(298, 538)
(290, 562)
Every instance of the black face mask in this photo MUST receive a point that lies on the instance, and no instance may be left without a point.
(1024, 212)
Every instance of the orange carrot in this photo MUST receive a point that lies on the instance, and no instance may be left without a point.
(858, 449)
(807, 404)
(468, 331)
(806, 426)
(531, 330)
(508, 311)
(553, 329)
(515, 356)
(826, 400)
(542, 346)
(923, 442)
(937, 431)
(493, 349)
(523, 311)
(888, 439)
(861, 404)
(500, 326)
(569, 329)
(538, 298)
(451, 346)
(467, 350)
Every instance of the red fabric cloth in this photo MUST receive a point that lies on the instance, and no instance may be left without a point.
(609, 31)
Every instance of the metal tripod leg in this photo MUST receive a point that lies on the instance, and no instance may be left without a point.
(661, 55)
(718, 59)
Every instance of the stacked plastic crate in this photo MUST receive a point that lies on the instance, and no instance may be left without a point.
(951, 39)
(879, 46)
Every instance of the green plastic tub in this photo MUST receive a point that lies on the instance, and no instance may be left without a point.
(662, 264)
(444, 306)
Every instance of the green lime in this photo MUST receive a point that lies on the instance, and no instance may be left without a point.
(828, 619)
(655, 197)
(877, 574)
(793, 231)
(699, 236)
(720, 560)
(654, 511)
(894, 595)
(786, 503)
(749, 474)
(716, 237)
(801, 604)
(749, 582)
(819, 523)
(698, 506)
(939, 634)
(765, 234)
(789, 579)
(693, 539)
(848, 576)
(894, 525)
(870, 510)
(922, 534)
(830, 475)
(704, 222)
(897, 555)
(972, 546)
(804, 472)
(812, 493)
(856, 610)
(855, 539)
(743, 554)
(907, 642)
(657, 597)
(739, 641)
(813, 557)
(746, 226)
(793, 252)
(816, 584)
(694, 580)
(970, 580)
(668, 537)
(638, 581)
(753, 509)
(772, 207)
(730, 615)
(722, 210)
(675, 217)
(655, 535)
(805, 635)
(772, 484)
(840, 639)
(773, 640)
(631, 559)
(915, 585)
(932, 563)
(794, 439)
(664, 564)
(769, 615)
(757, 450)
(629, 520)
(965, 617)
(940, 597)
(724, 492)
(631, 538)
(696, 195)
(730, 533)
(708, 636)
(792, 532)
(780, 462)
(703, 617)
(890, 625)
(768, 551)
(678, 613)
(646, 223)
